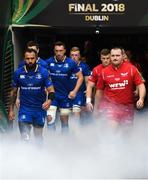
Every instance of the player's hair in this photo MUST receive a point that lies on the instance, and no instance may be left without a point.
(104, 52)
(75, 48)
(30, 51)
(59, 43)
(32, 43)
(119, 47)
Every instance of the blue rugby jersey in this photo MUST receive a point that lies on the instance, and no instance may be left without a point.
(84, 68)
(32, 87)
(60, 73)
(40, 61)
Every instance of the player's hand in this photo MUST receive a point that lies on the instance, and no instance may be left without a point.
(72, 95)
(46, 104)
(140, 104)
(89, 107)
(11, 116)
(17, 103)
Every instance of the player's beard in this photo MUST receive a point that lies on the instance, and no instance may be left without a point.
(60, 57)
(31, 66)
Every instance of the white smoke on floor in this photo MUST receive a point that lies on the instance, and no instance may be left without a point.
(90, 151)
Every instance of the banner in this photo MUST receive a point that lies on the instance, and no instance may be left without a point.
(82, 13)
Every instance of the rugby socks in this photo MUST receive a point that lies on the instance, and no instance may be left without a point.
(65, 127)
(51, 127)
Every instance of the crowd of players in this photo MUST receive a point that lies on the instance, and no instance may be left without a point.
(41, 88)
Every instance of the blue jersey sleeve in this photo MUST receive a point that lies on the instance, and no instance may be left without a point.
(75, 68)
(86, 70)
(21, 63)
(47, 79)
(15, 80)
(42, 63)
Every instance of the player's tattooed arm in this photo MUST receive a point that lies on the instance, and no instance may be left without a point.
(13, 95)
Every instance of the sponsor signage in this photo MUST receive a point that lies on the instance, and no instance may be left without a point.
(114, 13)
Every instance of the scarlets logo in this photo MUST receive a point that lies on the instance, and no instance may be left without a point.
(124, 74)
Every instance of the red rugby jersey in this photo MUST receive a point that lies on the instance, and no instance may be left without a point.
(96, 73)
(119, 83)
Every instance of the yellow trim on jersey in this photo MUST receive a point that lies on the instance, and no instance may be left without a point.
(61, 61)
(34, 70)
(25, 69)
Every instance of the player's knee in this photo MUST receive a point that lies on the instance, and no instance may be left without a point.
(25, 128)
(51, 114)
(49, 118)
(76, 109)
(64, 111)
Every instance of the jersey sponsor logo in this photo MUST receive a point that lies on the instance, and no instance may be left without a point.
(58, 71)
(30, 88)
(57, 74)
(22, 76)
(124, 74)
(120, 85)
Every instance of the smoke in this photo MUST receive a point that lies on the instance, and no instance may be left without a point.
(91, 150)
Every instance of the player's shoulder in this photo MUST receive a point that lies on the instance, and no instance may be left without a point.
(50, 60)
(42, 69)
(21, 63)
(42, 61)
(128, 65)
(20, 70)
(69, 60)
(107, 70)
(83, 64)
(98, 67)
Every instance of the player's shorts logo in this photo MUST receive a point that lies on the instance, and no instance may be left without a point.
(23, 116)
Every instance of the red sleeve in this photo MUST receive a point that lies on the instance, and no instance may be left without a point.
(137, 77)
(100, 83)
(93, 77)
